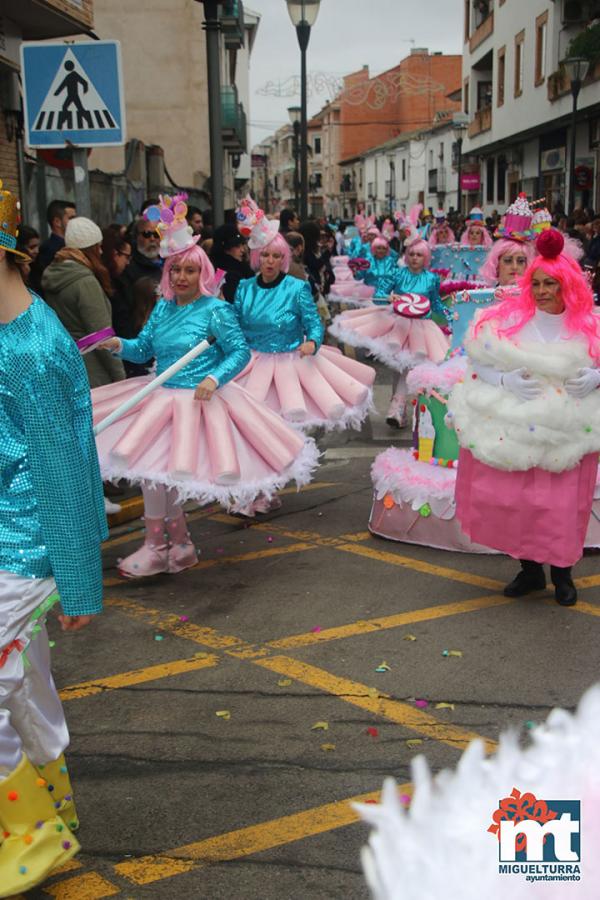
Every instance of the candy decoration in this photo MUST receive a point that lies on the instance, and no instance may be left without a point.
(412, 306)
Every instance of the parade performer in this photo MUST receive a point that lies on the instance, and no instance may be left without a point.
(400, 335)
(526, 417)
(198, 436)
(475, 233)
(383, 268)
(52, 520)
(307, 383)
(441, 233)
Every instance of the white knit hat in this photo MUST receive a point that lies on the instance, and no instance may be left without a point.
(82, 233)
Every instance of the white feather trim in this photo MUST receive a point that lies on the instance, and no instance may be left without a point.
(380, 348)
(554, 431)
(353, 417)
(396, 472)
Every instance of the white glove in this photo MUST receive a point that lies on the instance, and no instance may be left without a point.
(521, 385)
(587, 381)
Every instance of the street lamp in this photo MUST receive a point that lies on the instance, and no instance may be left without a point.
(303, 14)
(577, 68)
(295, 114)
(459, 126)
(212, 26)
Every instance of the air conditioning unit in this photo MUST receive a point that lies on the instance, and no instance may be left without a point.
(574, 12)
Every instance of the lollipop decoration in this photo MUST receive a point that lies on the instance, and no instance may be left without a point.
(169, 219)
(412, 306)
(91, 341)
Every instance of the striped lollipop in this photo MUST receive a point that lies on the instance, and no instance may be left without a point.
(413, 306)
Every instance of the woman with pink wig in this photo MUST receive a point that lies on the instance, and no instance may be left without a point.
(307, 383)
(383, 268)
(527, 417)
(199, 435)
(401, 334)
(476, 234)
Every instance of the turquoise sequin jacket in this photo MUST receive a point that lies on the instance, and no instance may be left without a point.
(381, 273)
(279, 316)
(425, 283)
(172, 330)
(52, 517)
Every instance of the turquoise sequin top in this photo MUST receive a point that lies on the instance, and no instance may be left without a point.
(172, 330)
(52, 517)
(382, 274)
(277, 317)
(425, 283)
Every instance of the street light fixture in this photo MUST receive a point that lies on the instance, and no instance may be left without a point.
(295, 114)
(212, 26)
(577, 68)
(303, 14)
(459, 126)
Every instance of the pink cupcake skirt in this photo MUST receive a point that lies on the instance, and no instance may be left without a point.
(325, 390)
(535, 514)
(399, 342)
(229, 449)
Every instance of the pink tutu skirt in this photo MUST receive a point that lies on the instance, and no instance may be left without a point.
(537, 515)
(327, 389)
(399, 342)
(229, 449)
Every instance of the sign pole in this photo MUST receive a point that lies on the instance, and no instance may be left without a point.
(82, 182)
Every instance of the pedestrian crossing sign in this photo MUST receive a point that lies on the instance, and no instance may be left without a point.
(73, 93)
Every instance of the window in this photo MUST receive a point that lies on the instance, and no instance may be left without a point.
(441, 153)
(466, 96)
(318, 181)
(501, 74)
(467, 19)
(490, 179)
(317, 146)
(541, 35)
(501, 179)
(519, 62)
(403, 170)
(431, 159)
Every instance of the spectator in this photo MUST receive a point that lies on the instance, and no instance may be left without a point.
(319, 270)
(57, 215)
(340, 240)
(227, 253)
(145, 295)
(297, 268)
(195, 219)
(145, 262)
(116, 255)
(28, 242)
(76, 285)
(327, 244)
(593, 251)
(288, 221)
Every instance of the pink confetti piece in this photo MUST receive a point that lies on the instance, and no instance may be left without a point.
(405, 798)
(316, 629)
(184, 618)
(373, 732)
(269, 540)
(421, 704)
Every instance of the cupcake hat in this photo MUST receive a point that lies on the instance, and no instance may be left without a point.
(169, 219)
(475, 216)
(517, 221)
(541, 221)
(254, 225)
(9, 217)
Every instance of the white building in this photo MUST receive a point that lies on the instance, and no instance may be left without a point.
(518, 99)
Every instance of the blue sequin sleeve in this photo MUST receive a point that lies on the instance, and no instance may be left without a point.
(141, 349)
(225, 327)
(311, 320)
(437, 306)
(56, 416)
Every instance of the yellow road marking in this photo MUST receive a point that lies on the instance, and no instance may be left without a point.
(589, 609)
(587, 581)
(67, 867)
(90, 886)
(247, 841)
(368, 626)
(137, 676)
(358, 694)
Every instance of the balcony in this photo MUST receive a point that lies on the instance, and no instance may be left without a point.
(559, 83)
(232, 24)
(482, 121)
(482, 32)
(43, 19)
(233, 121)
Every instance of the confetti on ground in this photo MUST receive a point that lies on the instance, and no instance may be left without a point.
(374, 732)
(316, 629)
(284, 682)
(158, 637)
(530, 724)
(455, 653)
(383, 667)
(223, 714)
(421, 704)
(413, 742)
(52, 643)
(320, 726)
(371, 801)
(184, 618)
(405, 798)
(269, 540)
(409, 637)
(372, 692)
(444, 705)
(327, 747)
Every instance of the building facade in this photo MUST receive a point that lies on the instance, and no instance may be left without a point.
(518, 99)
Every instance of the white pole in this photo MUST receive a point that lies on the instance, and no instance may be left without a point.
(152, 385)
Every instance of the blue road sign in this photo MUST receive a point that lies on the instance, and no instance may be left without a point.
(73, 92)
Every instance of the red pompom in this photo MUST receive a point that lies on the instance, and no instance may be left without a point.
(550, 243)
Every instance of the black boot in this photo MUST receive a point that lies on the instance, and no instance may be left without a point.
(530, 578)
(565, 592)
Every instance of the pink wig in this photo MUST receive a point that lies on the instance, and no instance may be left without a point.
(513, 313)
(487, 238)
(196, 255)
(278, 245)
(433, 239)
(379, 242)
(423, 247)
(489, 270)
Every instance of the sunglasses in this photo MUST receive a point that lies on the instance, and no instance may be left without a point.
(148, 234)
(122, 253)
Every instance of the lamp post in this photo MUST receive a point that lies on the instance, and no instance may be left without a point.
(295, 114)
(459, 126)
(212, 26)
(303, 14)
(577, 69)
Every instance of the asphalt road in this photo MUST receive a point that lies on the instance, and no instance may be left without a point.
(221, 719)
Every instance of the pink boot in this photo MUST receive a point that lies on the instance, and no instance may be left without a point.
(182, 553)
(396, 414)
(152, 557)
